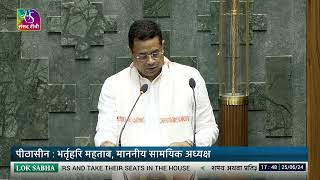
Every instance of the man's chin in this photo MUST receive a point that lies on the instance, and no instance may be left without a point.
(151, 72)
(150, 75)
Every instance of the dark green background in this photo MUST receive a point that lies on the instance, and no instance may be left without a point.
(50, 80)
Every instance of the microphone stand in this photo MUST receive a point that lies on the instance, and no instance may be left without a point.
(119, 143)
(192, 84)
(143, 89)
(194, 119)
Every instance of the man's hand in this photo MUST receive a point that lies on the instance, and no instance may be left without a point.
(184, 143)
(107, 144)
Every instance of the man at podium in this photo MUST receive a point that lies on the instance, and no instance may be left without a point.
(154, 101)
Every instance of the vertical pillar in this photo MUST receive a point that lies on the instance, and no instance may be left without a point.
(234, 72)
(233, 121)
(313, 86)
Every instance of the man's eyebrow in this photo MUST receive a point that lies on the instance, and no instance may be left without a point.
(143, 53)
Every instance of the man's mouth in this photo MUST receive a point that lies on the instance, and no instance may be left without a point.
(151, 68)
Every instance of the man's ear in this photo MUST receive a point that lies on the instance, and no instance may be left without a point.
(130, 51)
(163, 44)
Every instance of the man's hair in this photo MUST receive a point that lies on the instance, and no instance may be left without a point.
(144, 30)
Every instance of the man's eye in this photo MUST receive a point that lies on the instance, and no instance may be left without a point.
(142, 56)
(155, 54)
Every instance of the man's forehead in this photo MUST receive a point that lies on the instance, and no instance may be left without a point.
(144, 40)
(148, 45)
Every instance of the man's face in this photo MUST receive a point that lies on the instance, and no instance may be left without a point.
(148, 57)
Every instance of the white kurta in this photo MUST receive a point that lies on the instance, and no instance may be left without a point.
(163, 114)
(151, 106)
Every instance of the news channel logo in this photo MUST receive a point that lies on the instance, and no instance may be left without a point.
(28, 20)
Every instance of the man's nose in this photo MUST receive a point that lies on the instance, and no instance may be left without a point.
(150, 60)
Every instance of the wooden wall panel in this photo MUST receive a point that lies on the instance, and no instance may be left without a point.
(313, 88)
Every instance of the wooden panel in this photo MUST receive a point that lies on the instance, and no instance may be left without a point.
(313, 87)
(233, 125)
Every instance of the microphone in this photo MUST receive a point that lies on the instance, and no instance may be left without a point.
(143, 89)
(192, 84)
